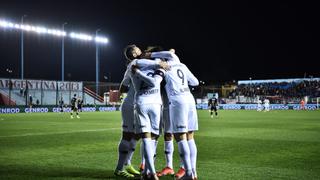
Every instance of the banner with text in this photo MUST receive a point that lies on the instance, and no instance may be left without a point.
(255, 106)
(40, 84)
(44, 109)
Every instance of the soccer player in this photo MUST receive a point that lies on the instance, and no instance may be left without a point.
(128, 142)
(266, 105)
(74, 106)
(182, 118)
(165, 120)
(61, 104)
(213, 103)
(259, 105)
(30, 102)
(147, 108)
(302, 104)
(80, 104)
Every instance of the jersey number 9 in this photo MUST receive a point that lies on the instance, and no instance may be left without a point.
(180, 75)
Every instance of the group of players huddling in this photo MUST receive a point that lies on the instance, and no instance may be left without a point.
(158, 100)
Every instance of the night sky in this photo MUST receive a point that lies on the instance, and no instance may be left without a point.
(218, 40)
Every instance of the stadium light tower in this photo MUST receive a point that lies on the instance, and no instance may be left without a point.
(62, 53)
(97, 64)
(58, 33)
(22, 54)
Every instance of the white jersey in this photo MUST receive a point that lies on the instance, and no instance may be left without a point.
(177, 80)
(143, 64)
(266, 102)
(129, 99)
(146, 83)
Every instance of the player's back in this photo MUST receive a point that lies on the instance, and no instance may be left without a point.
(144, 93)
(215, 102)
(176, 80)
(73, 101)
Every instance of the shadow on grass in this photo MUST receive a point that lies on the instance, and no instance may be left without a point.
(38, 172)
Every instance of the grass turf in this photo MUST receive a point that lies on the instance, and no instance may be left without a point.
(236, 145)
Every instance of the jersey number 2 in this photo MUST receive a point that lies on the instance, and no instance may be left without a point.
(143, 84)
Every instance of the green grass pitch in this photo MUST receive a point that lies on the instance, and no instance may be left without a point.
(236, 145)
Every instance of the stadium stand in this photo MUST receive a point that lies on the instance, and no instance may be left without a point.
(279, 91)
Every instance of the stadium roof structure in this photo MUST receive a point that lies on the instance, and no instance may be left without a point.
(277, 80)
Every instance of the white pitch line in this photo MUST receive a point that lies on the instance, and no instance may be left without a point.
(53, 133)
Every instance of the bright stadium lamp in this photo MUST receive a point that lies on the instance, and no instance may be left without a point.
(55, 32)
(80, 36)
(101, 39)
(22, 27)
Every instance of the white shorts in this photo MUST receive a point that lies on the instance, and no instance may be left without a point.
(178, 113)
(147, 118)
(192, 117)
(127, 113)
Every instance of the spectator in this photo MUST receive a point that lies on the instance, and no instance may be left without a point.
(21, 91)
(30, 101)
(284, 90)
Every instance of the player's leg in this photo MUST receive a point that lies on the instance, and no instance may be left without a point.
(184, 151)
(123, 148)
(168, 144)
(215, 110)
(127, 114)
(192, 127)
(143, 125)
(143, 161)
(179, 111)
(168, 151)
(125, 145)
(128, 165)
(71, 112)
(193, 152)
(211, 111)
(155, 141)
(77, 112)
(155, 117)
(148, 148)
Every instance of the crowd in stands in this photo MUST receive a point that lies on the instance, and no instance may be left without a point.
(283, 90)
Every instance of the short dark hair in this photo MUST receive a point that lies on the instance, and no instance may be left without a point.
(128, 52)
(75, 95)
